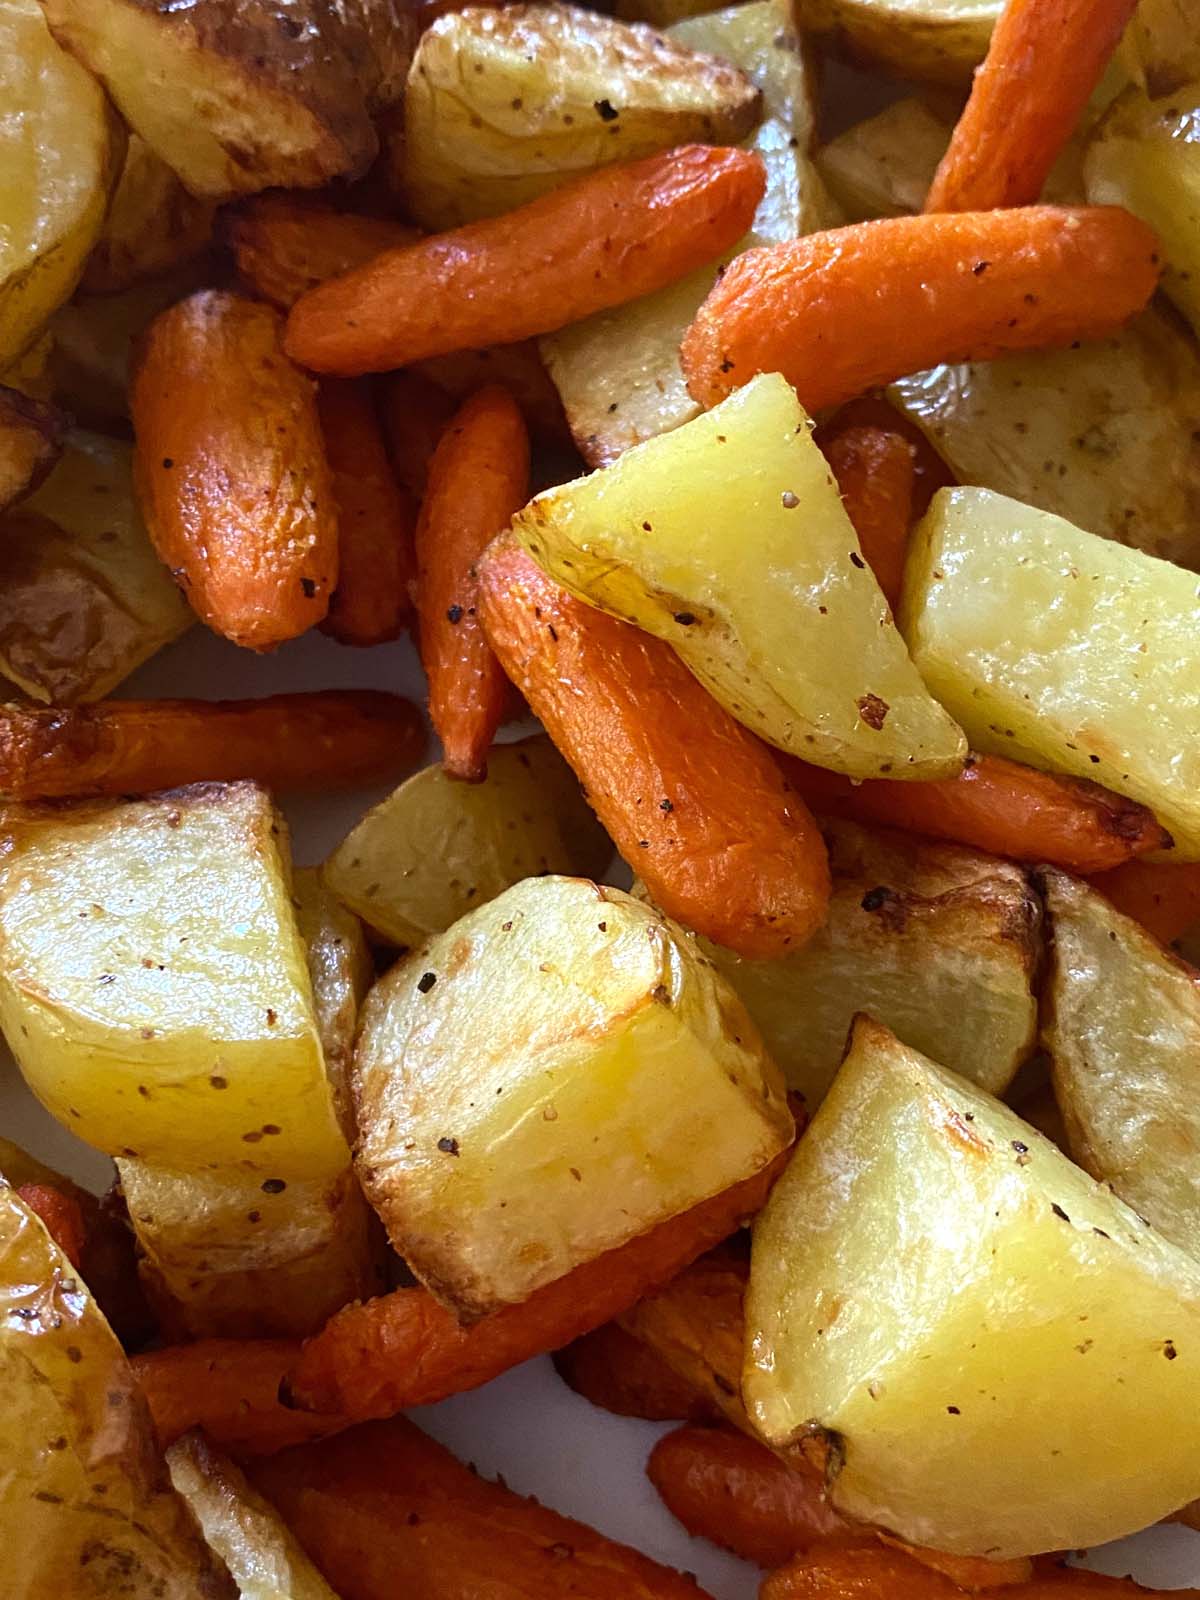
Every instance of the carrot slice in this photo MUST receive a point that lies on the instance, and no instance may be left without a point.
(285, 244)
(610, 236)
(478, 481)
(385, 1511)
(620, 1374)
(1163, 897)
(231, 470)
(376, 561)
(336, 738)
(843, 311)
(998, 806)
(692, 800)
(61, 1216)
(1045, 58)
(875, 470)
(405, 1349)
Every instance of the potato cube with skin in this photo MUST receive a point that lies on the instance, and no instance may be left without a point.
(436, 849)
(556, 1073)
(154, 987)
(728, 539)
(1060, 649)
(926, 1274)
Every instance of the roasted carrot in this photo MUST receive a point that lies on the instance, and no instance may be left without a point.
(620, 1374)
(692, 800)
(1162, 896)
(285, 244)
(415, 412)
(478, 481)
(610, 236)
(31, 434)
(930, 472)
(843, 311)
(405, 1349)
(375, 518)
(875, 469)
(61, 1215)
(385, 1511)
(998, 806)
(333, 738)
(519, 367)
(1044, 60)
(231, 470)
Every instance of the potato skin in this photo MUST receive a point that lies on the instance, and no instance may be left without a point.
(30, 440)
(231, 471)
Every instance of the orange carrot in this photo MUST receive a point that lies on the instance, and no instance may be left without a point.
(997, 806)
(285, 244)
(61, 1216)
(385, 1512)
(415, 412)
(231, 470)
(619, 1373)
(478, 481)
(1045, 58)
(930, 472)
(691, 799)
(875, 470)
(610, 236)
(376, 562)
(1162, 896)
(405, 1349)
(333, 738)
(844, 311)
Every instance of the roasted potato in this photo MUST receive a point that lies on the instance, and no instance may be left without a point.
(60, 150)
(1145, 156)
(532, 1087)
(986, 1346)
(154, 986)
(86, 1507)
(31, 433)
(153, 224)
(883, 167)
(436, 849)
(618, 372)
(752, 572)
(1123, 1032)
(1102, 677)
(663, 13)
(503, 105)
(264, 1557)
(341, 971)
(941, 944)
(1161, 47)
(939, 40)
(83, 597)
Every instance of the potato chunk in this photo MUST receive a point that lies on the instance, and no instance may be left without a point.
(927, 1273)
(941, 944)
(30, 443)
(154, 987)
(341, 971)
(534, 1086)
(728, 539)
(1160, 50)
(503, 105)
(86, 1507)
(436, 849)
(1123, 1032)
(883, 166)
(1102, 676)
(153, 224)
(940, 40)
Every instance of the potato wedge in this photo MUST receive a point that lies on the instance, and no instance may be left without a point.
(60, 151)
(1145, 156)
(532, 1087)
(1123, 1021)
(153, 224)
(504, 105)
(926, 1272)
(84, 600)
(883, 166)
(31, 435)
(1046, 693)
(672, 538)
(939, 40)
(341, 971)
(264, 1557)
(233, 97)
(940, 944)
(154, 986)
(1161, 47)
(86, 1507)
(436, 849)
(618, 372)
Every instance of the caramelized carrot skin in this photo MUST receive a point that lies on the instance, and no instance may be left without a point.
(998, 806)
(1162, 896)
(61, 1216)
(847, 310)
(692, 800)
(385, 1512)
(620, 1374)
(610, 236)
(875, 470)
(285, 244)
(1045, 59)
(478, 481)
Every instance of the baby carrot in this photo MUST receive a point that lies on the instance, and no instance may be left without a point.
(478, 480)
(1163, 896)
(415, 411)
(875, 469)
(844, 311)
(285, 244)
(61, 1216)
(620, 1374)
(610, 236)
